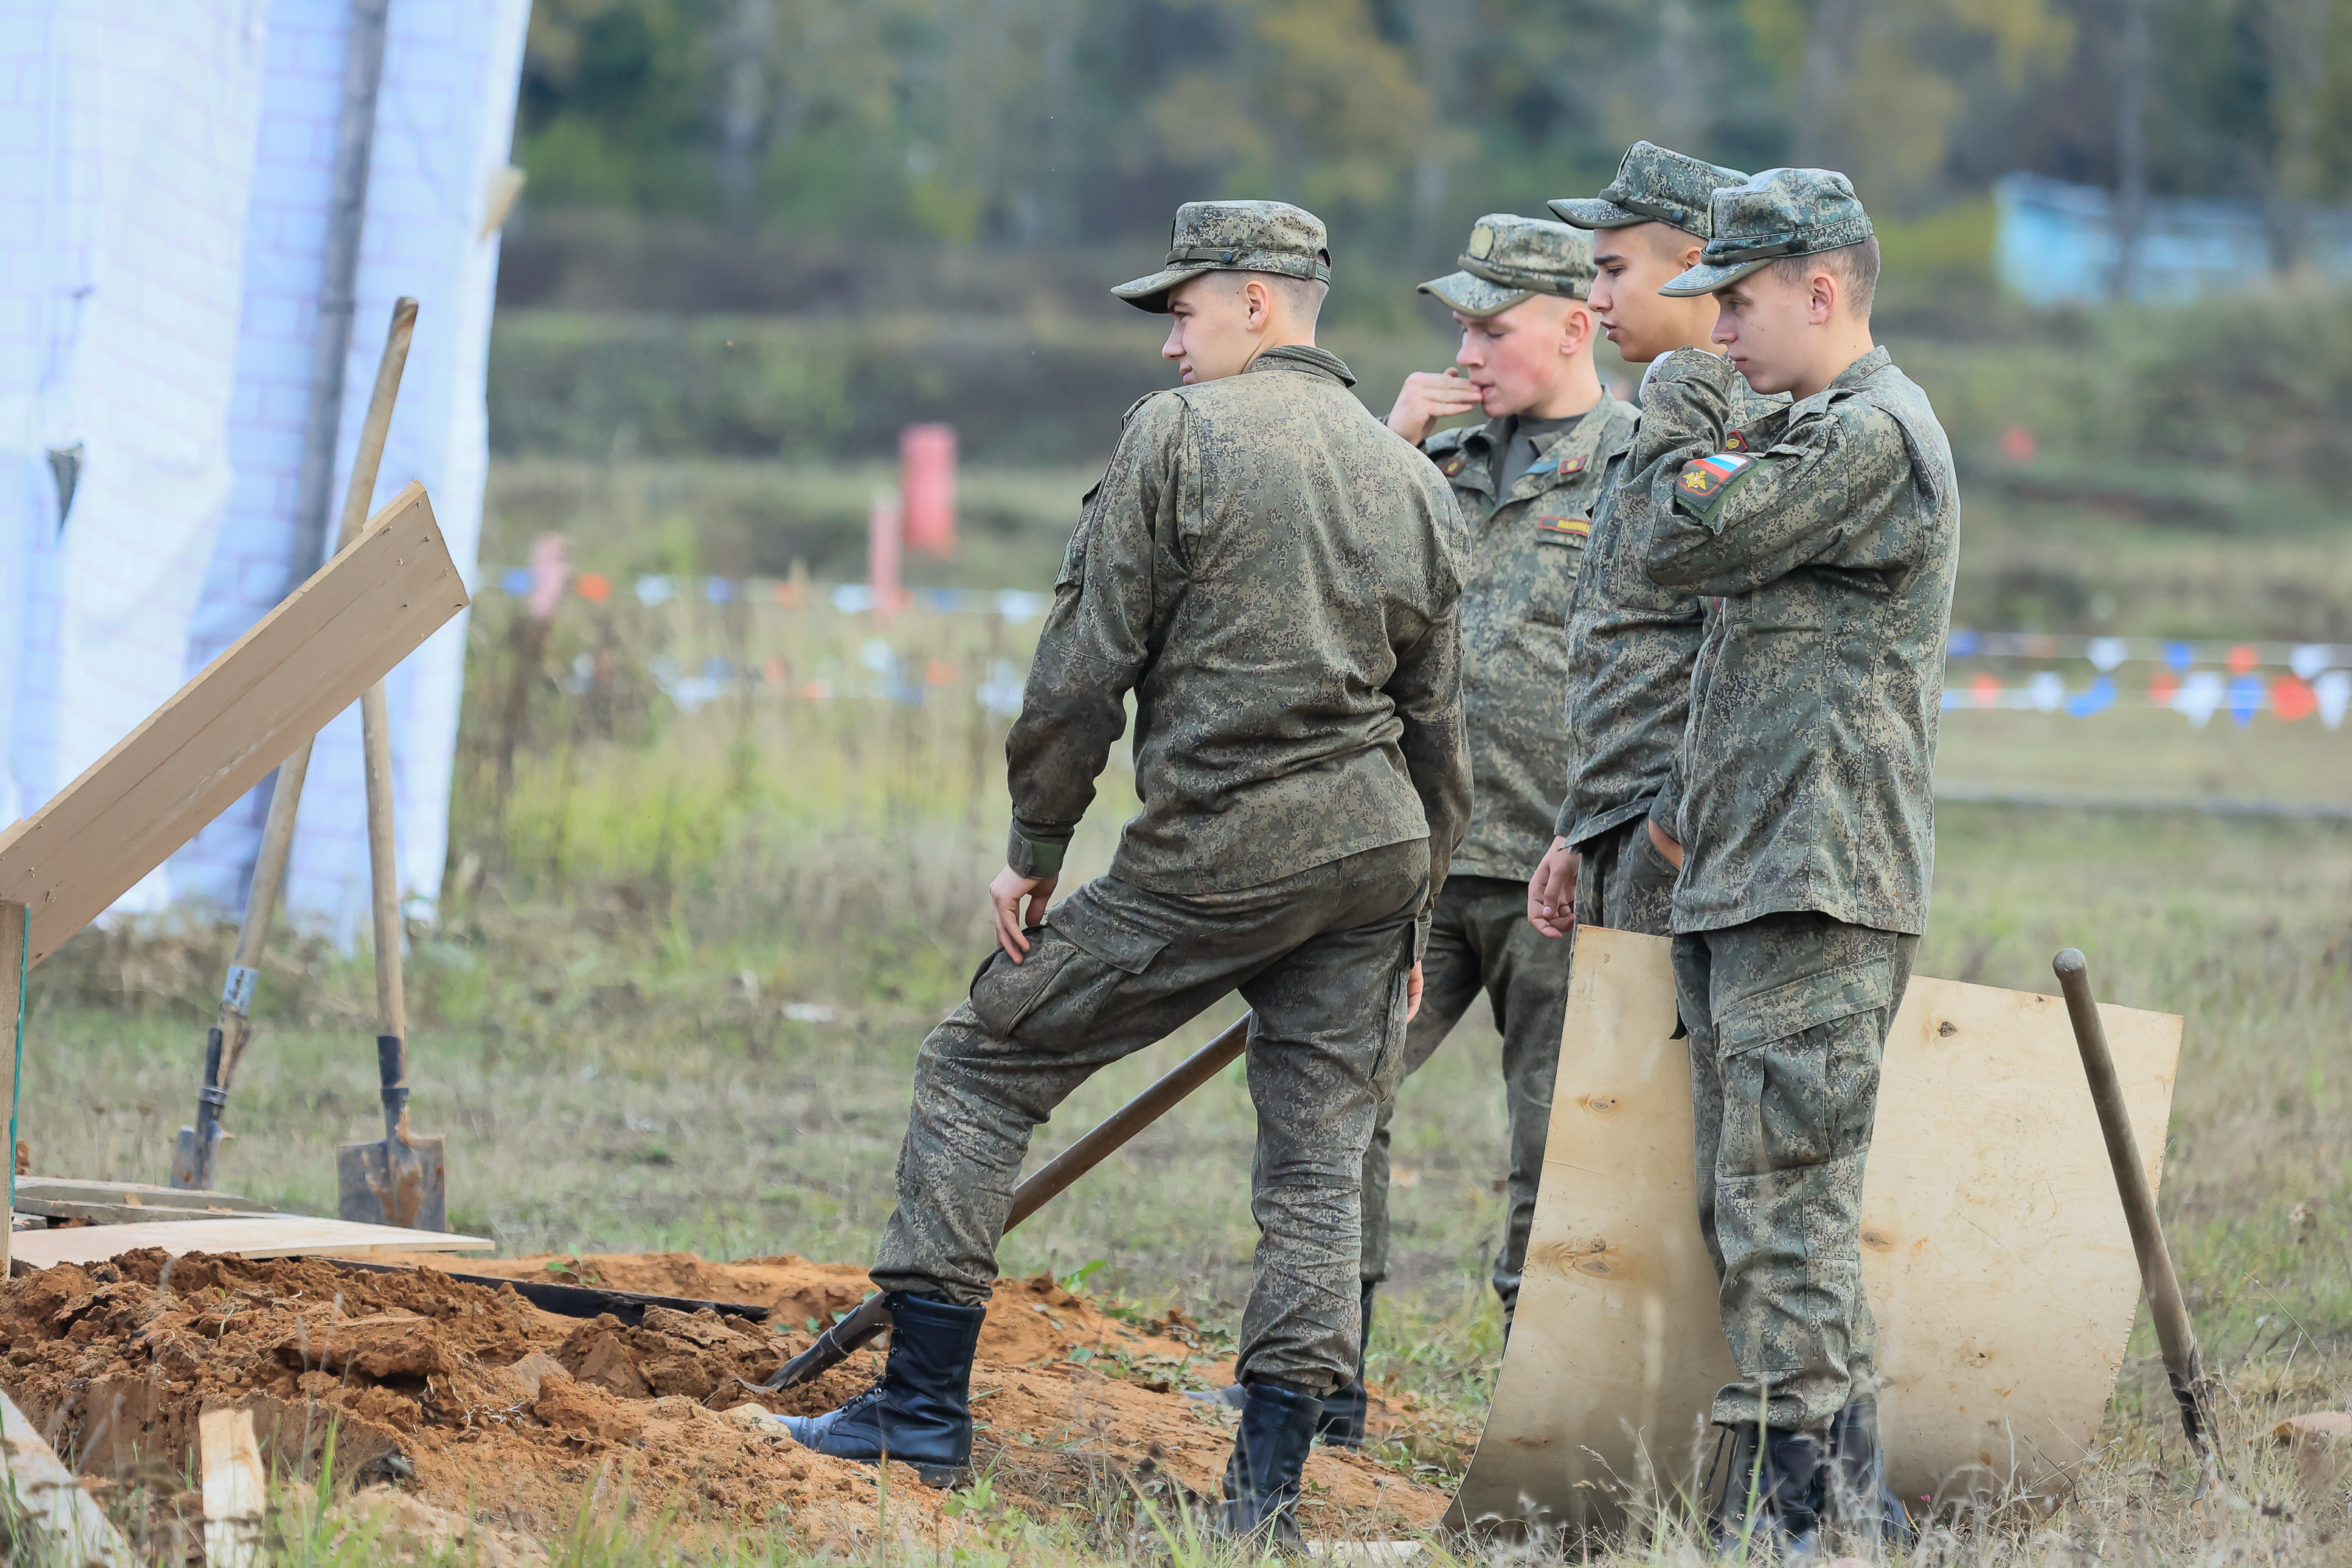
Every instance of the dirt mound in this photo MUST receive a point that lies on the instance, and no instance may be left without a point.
(474, 1401)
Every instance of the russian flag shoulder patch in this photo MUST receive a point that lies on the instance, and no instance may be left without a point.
(1704, 479)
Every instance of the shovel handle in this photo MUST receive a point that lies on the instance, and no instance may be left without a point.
(873, 1315)
(2182, 1364)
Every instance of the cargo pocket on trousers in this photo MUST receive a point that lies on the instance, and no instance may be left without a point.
(1005, 993)
(1082, 959)
(1796, 1005)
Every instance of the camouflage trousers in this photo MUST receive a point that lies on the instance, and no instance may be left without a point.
(1625, 884)
(1787, 1017)
(1320, 956)
(1481, 941)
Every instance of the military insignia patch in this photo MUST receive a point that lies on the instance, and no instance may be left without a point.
(1704, 479)
(1482, 241)
(1570, 531)
(1732, 441)
(1454, 465)
(1557, 465)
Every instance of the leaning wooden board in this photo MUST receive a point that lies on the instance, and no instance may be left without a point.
(1994, 1249)
(247, 1236)
(243, 714)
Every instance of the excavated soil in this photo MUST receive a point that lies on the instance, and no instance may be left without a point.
(473, 1402)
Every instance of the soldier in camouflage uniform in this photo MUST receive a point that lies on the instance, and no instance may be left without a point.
(1827, 538)
(1525, 479)
(1272, 575)
(1631, 644)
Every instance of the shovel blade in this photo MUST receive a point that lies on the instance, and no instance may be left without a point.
(383, 1184)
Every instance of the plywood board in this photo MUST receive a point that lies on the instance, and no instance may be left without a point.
(252, 1235)
(1994, 1249)
(242, 715)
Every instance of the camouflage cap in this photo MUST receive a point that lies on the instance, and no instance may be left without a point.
(1654, 185)
(1235, 237)
(1780, 212)
(1510, 257)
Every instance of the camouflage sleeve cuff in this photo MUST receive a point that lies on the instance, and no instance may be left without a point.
(1421, 926)
(1564, 819)
(1027, 857)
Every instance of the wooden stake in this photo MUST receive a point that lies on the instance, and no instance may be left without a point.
(236, 1491)
(2183, 1364)
(16, 937)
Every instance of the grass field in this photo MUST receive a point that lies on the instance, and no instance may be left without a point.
(685, 961)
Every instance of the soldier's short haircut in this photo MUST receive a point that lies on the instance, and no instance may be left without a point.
(1855, 266)
(1302, 297)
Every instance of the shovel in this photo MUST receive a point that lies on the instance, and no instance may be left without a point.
(401, 1181)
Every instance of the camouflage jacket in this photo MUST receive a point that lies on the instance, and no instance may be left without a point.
(1828, 547)
(1631, 644)
(1274, 575)
(1520, 572)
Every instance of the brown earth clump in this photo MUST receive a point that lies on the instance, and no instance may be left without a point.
(477, 1402)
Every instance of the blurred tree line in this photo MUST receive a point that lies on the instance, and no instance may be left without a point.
(1034, 124)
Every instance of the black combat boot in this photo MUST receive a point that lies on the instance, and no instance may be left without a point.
(1277, 1428)
(920, 1413)
(1861, 1506)
(1768, 1504)
(1341, 1425)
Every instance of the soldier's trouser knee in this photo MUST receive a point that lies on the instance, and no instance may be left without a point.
(1787, 1017)
(1625, 883)
(1320, 957)
(1480, 941)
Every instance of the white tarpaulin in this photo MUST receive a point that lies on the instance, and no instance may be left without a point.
(126, 150)
(445, 120)
(163, 186)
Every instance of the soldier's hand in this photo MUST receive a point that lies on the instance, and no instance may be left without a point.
(1008, 893)
(1413, 990)
(1667, 846)
(1427, 397)
(1552, 892)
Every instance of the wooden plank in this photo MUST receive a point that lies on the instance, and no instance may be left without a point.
(74, 1189)
(125, 1203)
(270, 691)
(91, 1213)
(1994, 1250)
(253, 1235)
(72, 1528)
(236, 1492)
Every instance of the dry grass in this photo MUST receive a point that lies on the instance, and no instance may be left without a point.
(679, 980)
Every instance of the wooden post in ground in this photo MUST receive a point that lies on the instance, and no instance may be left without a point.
(16, 937)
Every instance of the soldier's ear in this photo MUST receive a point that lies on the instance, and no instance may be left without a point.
(1825, 287)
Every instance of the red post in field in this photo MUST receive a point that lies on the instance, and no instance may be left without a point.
(926, 487)
(882, 526)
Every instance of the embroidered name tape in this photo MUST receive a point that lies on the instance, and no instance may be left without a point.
(1704, 479)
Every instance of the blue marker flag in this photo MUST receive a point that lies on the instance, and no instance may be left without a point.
(2245, 699)
(2095, 697)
